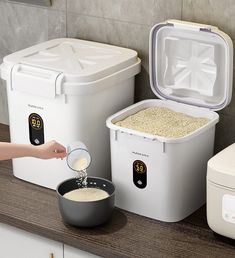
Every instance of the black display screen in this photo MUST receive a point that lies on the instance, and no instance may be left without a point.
(35, 121)
(139, 174)
(36, 129)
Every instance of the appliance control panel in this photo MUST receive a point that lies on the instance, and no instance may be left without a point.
(228, 208)
(139, 174)
(36, 129)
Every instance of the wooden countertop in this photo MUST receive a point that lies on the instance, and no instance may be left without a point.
(35, 210)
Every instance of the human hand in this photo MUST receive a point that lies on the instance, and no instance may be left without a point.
(49, 150)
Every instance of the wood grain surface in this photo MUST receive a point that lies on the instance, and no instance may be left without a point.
(35, 210)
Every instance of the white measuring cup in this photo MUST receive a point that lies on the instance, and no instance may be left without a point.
(78, 157)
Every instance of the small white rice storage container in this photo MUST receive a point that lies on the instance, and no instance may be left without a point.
(221, 192)
(64, 89)
(191, 72)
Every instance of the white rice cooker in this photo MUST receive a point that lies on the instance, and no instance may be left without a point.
(64, 89)
(221, 192)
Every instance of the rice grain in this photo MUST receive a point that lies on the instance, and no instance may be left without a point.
(163, 121)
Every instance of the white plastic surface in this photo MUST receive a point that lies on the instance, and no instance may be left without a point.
(191, 63)
(17, 243)
(80, 61)
(221, 167)
(220, 209)
(68, 66)
(67, 119)
(176, 168)
(34, 81)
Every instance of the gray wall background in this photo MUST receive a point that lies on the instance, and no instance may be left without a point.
(119, 22)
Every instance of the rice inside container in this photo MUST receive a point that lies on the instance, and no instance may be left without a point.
(191, 72)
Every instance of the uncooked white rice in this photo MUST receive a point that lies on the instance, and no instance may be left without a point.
(163, 122)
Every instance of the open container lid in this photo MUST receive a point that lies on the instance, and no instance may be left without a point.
(191, 63)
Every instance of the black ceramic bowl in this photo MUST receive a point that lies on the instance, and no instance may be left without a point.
(88, 213)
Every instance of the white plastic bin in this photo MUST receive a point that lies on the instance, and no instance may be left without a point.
(64, 89)
(186, 73)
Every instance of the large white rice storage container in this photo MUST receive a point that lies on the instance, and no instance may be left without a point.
(191, 72)
(221, 192)
(64, 89)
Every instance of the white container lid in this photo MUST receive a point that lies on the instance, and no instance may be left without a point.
(191, 63)
(221, 167)
(78, 60)
(68, 66)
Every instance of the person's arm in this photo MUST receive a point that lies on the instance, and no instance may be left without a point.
(48, 150)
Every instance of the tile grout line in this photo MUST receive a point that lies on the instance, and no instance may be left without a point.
(182, 6)
(66, 18)
(111, 19)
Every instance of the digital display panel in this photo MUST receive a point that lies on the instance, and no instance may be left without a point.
(36, 129)
(139, 166)
(35, 121)
(140, 174)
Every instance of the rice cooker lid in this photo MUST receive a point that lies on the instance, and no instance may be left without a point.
(221, 168)
(191, 63)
